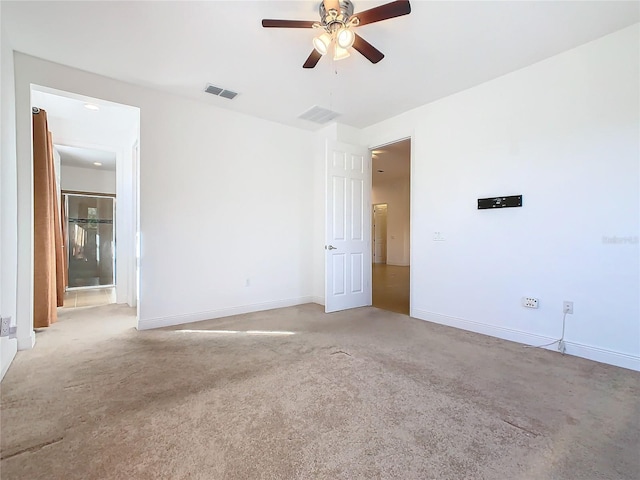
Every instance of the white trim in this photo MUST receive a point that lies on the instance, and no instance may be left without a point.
(27, 342)
(597, 354)
(318, 300)
(589, 352)
(398, 264)
(387, 138)
(224, 312)
(9, 350)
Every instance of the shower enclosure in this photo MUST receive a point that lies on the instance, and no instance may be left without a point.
(90, 240)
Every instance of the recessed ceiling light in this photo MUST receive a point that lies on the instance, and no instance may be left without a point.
(91, 106)
(97, 164)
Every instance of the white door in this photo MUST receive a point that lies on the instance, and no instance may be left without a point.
(380, 233)
(348, 227)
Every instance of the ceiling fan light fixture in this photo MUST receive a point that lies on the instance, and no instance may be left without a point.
(338, 20)
(321, 43)
(340, 53)
(345, 38)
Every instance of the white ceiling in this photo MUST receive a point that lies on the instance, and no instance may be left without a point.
(439, 49)
(84, 136)
(110, 117)
(394, 160)
(85, 158)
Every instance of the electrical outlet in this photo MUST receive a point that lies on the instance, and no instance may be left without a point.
(567, 307)
(5, 326)
(438, 237)
(529, 302)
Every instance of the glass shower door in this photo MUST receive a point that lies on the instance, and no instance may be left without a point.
(91, 242)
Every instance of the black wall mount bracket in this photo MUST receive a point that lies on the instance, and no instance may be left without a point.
(500, 202)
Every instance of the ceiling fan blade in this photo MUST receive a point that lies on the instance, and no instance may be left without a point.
(268, 23)
(332, 5)
(313, 59)
(365, 48)
(384, 12)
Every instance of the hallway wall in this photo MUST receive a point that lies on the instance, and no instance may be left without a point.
(88, 180)
(396, 195)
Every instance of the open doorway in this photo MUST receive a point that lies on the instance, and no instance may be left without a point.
(379, 235)
(90, 241)
(391, 229)
(95, 146)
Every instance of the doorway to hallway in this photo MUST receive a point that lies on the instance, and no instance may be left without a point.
(94, 145)
(391, 229)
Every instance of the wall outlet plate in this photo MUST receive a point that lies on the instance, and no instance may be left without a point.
(567, 307)
(5, 325)
(529, 302)
(438, 237)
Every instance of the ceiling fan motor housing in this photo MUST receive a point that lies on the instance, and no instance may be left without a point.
(331, 22)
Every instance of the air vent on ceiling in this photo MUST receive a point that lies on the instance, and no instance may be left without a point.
(213, 90)
(220, 92)
(318, 114)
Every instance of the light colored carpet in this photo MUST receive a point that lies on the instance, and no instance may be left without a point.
(363, 394)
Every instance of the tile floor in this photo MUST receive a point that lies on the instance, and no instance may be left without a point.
(91, 297)
(391, 288)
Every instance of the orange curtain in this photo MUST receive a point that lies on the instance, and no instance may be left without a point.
(48, 256)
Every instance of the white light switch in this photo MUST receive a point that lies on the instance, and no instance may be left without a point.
(438, 237)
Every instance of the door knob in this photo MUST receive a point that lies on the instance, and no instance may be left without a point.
(330, 247)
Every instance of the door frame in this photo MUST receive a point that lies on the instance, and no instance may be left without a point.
(126, 215)
(374, 145)
(35, 81)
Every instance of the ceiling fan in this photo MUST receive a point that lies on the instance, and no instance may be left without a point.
(336, 24)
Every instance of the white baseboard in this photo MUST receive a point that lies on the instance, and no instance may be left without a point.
(318, 300)
(597, 354)
(147, 324)
(632, 362)
(398, 264)
(9, 350)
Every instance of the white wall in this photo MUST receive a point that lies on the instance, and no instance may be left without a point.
(565, 134)
(88, 180)
(396, 194)
(8, 199)
(223, 198)
(557, 132)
